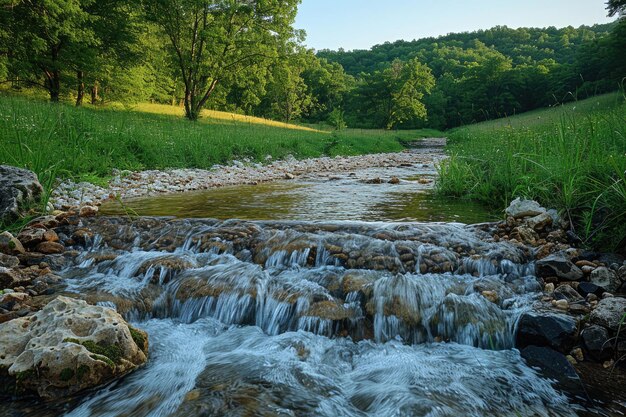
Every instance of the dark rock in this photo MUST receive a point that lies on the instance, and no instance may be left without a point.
(558, 265)
(609, 312)
(18, 188)
(586, 288)
(605, 278)
(554, 365)
(595, 339)
(11, 278)
(557, 331)
(566, 292)
(50, 248)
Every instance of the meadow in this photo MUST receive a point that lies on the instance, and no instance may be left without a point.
(570, 157)
(60, 140)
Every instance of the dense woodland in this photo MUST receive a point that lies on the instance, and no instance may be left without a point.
(247, 57)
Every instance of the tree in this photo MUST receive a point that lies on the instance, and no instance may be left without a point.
(40, 35)
(616, 7)
(213, 39)
(408, 83)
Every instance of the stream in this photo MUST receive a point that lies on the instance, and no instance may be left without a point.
(329, 296)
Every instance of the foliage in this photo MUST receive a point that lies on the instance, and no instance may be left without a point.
(572, 157)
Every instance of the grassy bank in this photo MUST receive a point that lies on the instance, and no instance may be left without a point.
(571, 157)
(87, 143)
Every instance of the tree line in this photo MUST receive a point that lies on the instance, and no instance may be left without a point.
(247, 56)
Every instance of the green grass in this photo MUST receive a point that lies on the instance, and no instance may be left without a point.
(87, 144)
(572, 158)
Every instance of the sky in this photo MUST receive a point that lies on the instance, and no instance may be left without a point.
(360, 24)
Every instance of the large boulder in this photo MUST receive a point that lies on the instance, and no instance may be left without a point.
(558, 265)
(609, 313)
(67, 347)
(524, 208)
(18, 188)
(557, 331)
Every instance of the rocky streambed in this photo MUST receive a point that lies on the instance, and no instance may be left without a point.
(243, 317)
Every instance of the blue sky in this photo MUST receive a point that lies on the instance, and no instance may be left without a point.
(360, 24)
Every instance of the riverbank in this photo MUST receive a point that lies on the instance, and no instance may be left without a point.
(129, 185)
(571, 157)
(87, 144)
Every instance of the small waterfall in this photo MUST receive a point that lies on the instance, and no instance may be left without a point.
(316, 319)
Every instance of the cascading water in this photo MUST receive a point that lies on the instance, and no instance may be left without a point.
(313, 319)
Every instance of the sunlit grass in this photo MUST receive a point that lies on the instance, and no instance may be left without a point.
(214, 115)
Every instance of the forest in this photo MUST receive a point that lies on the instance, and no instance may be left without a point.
(247, 57)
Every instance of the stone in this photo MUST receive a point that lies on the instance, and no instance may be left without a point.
(10, 245)
(578, 354)
(595, 340)
(621, 273)
(67, 347)
(558, 265)
(557, 331)
(18, 189)
(548, 288)
(49, 248)
(525, 235)
(554, 365)
(586, 288)
(8, 261)
(88, 211)
(48, 222)
(539, 222)
(394, 180)
(31, 237)
(11, 278)
(567, 293)
(609, 313)
(561, 304)
(524, 208)
(491, 296)
(605, 278)
(579, 309)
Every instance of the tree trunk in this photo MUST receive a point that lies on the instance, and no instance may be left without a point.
(80, 94)
(94, 93)
(54, 85)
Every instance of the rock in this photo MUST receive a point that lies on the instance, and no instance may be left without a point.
(567, 293)
(491, 296)
(67, 347)
(579, 309)
(31, 237)
(524, 208)
(8, 261)
(609, 312)
(621, 273)
(578, 354)
(10, 245)
(50, 248)
(539, 222)
(561, 304)
(18, 188)
(554, 365)
(548, 288)
(558, 265)
(48, 222)
(557, 331)
(394, 180)
(605, 278)
(11, 278)
(525, 235)
(88, 211)
(586, 288)
(595, 341)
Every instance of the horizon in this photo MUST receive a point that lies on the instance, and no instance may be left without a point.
(370, 25)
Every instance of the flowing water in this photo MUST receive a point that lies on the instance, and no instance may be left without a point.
(302, 318)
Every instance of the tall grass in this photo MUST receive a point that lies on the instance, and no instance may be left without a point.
(64, 141)
(572, 158)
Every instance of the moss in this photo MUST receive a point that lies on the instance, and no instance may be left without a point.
(21, 376)
(66, 374)
(112, 352)
(103, 359)
(81, 372)
(138, 337)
